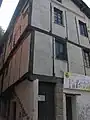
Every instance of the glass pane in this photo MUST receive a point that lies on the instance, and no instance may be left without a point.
(61, 48)
(58, 16)
(85, 30)
(82, 29)
(57, 49)
(55, 17)
(87, 61)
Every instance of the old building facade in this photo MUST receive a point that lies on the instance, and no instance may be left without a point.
(44, 40)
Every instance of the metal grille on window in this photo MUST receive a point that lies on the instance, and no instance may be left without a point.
(87, 59)
(58, 16)
(83, 29)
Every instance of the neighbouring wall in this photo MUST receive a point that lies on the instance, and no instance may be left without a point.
(82, 107)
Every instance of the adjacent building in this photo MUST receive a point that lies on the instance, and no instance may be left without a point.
(46, 50)
(1, 2)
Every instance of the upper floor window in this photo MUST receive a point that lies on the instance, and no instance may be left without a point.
(58, 16)
(59, 0)
(60, 49)
(87, 58)
(83, 29)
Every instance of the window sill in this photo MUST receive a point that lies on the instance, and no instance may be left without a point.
(84, 36)
(59, 24)
(65, 60)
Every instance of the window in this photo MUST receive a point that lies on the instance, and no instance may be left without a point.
(58, 16)
(87, 58)
(60, 49)
(83, 29)
(59, 0)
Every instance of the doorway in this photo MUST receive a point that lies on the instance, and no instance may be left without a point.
(71, 113)
(68, 107)
(46, 101)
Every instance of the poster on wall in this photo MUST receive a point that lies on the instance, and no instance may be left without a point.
(76, 81)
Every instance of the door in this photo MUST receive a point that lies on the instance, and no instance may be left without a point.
(69, 107)
(46, 101)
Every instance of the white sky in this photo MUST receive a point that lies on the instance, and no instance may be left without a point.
(6, 12)
(7, 9)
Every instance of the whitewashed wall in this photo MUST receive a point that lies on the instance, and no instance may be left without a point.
(43, 57)
(43, 43)
(42, 54)
(59, 30)
(82, 106)
(75, 59)
(72, 13)
(41, 14)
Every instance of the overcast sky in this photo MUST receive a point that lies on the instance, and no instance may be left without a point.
(7, 9)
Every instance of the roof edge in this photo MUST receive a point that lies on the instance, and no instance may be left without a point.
(83, 7)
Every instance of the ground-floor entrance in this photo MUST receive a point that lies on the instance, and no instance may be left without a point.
(46, 108)
(33, 100)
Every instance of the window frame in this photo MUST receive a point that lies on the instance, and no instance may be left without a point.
(86, 63)
(60, 1)
(83, 29)
(64, 55)
(58, 16)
